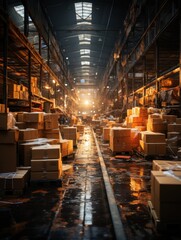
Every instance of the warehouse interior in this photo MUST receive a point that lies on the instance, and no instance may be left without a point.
(90, 119)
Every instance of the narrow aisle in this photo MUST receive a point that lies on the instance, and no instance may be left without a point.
(84, 213)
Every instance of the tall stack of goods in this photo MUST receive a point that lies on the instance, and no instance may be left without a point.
(11, 178)
(153, 143)
(71, 134)
(46, 162)
(51, 125)
(120, 139)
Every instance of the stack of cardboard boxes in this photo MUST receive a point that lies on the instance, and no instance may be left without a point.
(46, 162)
(153, 143)
(120, 139)
(11, 178)
(71, 134)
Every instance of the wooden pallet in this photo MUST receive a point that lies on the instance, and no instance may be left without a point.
(161, 226)
(122, 153)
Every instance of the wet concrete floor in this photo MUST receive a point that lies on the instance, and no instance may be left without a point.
(79, 209)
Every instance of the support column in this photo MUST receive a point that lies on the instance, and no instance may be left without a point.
(180, 55)
(133, 88)
(26, 22)
(5, 54)
(157, 72)
(29, 80)
(144, 79)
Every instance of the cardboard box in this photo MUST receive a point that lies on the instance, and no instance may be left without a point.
(120, 132)
(36, 125)
(129, 112)
(80, 128)
(46, 152)
(167, 197)
(20, 125)
(178, 120)
(64, 147)
(160, 128)
(174, 128)
(154, 174)
(6, 121)
(25, 152)
(46, 175)
(153, 148)
(106, 134)
(47, 165)
(173, 135)
(151, 137)
(49, 117)
(53, 133)
(28, 134)
(34, 117)
(169, 118)
(70, 146)
(14, 180)
(70, 133)
(51, 125)
(9, 136)
(121, 144)
(8, 158)
(165, 165)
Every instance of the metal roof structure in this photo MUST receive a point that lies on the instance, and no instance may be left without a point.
(86, 32)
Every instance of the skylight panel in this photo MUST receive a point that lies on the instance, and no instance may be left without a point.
(84, 23)
(84, 51)
(85, 56)
(86, 37)
(84, 43)
(20, 10)
(85, 63)
(83, 11)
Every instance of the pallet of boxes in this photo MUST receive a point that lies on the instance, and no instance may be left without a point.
(12, 178)
(120, 140)
(46, 164)
(165, 203)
